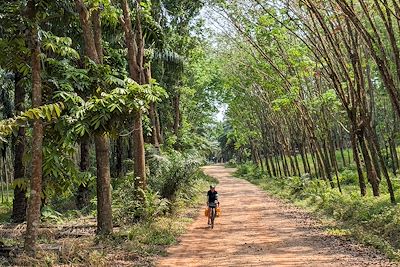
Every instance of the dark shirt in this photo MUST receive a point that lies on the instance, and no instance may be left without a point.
(212, 196)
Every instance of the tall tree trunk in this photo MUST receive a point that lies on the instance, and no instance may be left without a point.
(91, 28)
(104, 213)
(135, 63)
(33, 214)
(20, 201)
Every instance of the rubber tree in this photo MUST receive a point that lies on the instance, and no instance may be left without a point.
(91, 29)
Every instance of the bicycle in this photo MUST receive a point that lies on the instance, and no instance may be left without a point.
(213, 215)
(212, 209)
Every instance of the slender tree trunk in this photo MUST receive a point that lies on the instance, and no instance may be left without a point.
(393, 154)
(327, 164)
(361, 180)
(314, 163)
(395, 131)
(332, 151)
(158, 126)
(154, 136)
(138, 148)
(33, 214)
(284, 164)
(266, 157)
(267, 165)
(340, 139)
(19, 201)
(377, 150)
(296, 164)
(371, 173)
(177, 113)
(292, 165)
(272, 164)
(152, 110)
(276, 157)
(303, 160)
(321, 168)
(306, 155)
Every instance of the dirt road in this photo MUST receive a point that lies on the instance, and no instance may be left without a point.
(258, 230)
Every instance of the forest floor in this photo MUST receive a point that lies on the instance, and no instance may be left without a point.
(256, 229)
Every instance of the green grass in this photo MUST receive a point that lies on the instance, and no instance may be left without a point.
(373, 221)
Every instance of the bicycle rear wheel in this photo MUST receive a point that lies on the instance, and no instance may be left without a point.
(213, 213)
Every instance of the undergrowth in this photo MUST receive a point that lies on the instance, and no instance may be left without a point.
(146, 222)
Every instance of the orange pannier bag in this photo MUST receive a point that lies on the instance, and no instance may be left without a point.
(218, 211)
(206, 212)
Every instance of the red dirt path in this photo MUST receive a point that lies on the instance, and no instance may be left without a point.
(256, 229)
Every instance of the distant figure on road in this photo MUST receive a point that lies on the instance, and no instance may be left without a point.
(212, 201)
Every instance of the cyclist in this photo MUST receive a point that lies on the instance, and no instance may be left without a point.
(212, 201)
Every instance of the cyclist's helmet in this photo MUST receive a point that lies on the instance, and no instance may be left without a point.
(212, 186)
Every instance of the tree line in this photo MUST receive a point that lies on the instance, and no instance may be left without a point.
(322, 79)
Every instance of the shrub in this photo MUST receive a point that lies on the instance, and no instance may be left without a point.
(349, 177)
(170, 173)
(129, 206)
(231, 163)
